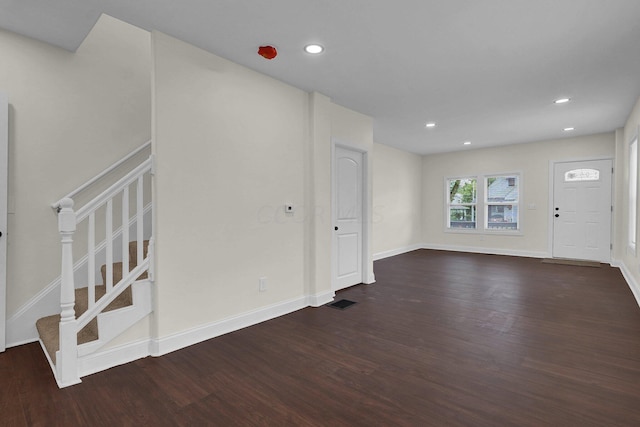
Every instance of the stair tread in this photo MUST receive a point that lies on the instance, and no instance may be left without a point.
(48, 327)
(82, 299)
(117, 272)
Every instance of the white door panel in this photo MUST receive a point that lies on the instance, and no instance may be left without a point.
(347, 247)
(582, 210)
(348, 254)
(348, 175)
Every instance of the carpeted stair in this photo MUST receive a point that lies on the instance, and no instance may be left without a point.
(48, 327)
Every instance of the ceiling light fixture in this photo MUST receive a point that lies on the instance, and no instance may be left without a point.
(562, 100)
(314, 49)
(568, 129)
(430, 125)
(467, 143)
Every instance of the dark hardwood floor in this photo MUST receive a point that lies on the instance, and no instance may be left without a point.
(442, 339)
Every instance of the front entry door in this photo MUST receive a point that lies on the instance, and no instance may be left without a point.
(4, 143)
(581, 212)
(347, 202)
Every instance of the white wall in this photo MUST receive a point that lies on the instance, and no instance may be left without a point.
(232, 147)
(627, 259)
(532, 161)
(229, 145)
(397, 200)
(71, 115)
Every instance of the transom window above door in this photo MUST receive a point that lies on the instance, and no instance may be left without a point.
(582, 175)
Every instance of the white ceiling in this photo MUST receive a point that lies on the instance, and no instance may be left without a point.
(486, 71)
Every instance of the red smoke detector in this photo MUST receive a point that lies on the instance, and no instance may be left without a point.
(267, 52)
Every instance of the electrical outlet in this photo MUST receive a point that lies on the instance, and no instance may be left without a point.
(262, 284)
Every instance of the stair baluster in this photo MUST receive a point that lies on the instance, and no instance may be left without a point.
(125, 231)
(140, 220)
(67, 358)
(91, 261)
(109, 240)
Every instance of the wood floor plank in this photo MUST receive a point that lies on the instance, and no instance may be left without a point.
(441, 338)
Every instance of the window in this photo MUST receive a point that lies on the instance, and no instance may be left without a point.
(501, 202)
(491, 207)
(461, 203)
(582, 175)
(633, 192)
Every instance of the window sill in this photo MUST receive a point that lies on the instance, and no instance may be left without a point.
(484, 232)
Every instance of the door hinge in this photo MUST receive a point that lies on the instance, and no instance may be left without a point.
(610, 245)
(611, 208)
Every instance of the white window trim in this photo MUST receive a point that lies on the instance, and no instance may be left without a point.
(632, 199)
(447, 204)
(481, 205)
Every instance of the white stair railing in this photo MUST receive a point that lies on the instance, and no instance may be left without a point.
(68, 221)
(56, 206)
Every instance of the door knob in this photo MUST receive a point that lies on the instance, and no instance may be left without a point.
(557, 215)
(335, 228)
(557, 209)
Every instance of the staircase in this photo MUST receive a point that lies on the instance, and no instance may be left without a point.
(92, 316)
(48, 327)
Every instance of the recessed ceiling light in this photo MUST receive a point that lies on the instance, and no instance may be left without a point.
(562, 100)
(313, 49)
(467, 143)
(431, 125)
(568, 129)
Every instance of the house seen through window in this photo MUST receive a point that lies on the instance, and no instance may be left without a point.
(502, 203)
(494, 204)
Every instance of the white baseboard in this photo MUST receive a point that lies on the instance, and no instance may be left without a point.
(319, 300)
(130, 352)
(628, 277)
(394, 252)
(488, 251)
(201, 333)
(116, 356)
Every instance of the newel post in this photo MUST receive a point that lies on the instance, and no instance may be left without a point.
(67, 358)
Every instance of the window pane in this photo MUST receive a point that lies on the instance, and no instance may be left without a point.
(502, 217)
(462, 191)
(502, 189)
(582, 175)
(462, 217)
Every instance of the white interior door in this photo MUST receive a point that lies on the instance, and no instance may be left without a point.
(4, 143)
(347, 202)
(582, 210)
